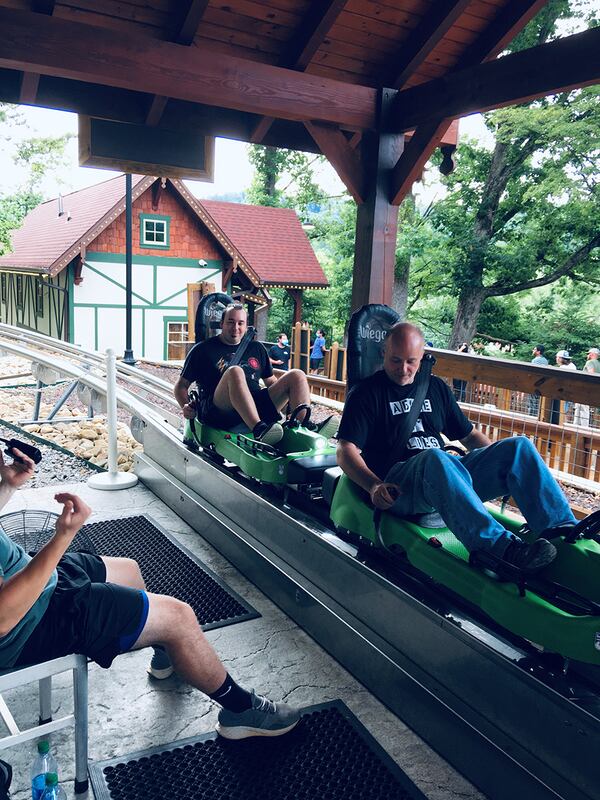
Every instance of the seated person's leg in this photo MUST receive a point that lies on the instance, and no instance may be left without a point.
(232, 394)
(291, 387)
(436, 480)
(174, 624)
(126, 572)
(514, 466)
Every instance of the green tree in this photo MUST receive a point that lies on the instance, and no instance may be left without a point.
(39, 155)
(283, 178)
(525, 214)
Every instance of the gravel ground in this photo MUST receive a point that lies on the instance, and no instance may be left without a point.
(55, 467)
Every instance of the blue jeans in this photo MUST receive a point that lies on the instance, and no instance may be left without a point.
(457, 486)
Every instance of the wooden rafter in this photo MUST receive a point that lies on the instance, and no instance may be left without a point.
(502, 30)
(342, 157)
(436, 23)
(81, 52)
(558, 66)
(29, 87)
(316, 24)
(185, 32)
(30, 80)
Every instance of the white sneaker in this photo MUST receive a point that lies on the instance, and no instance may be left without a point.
(271, 435)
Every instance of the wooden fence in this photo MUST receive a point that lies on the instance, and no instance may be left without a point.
(506, 398)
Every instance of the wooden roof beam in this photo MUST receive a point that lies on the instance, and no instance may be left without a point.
(511, 19)
(315, 26)
(67, 49)
(30, 80)
(43, 6)
(424, 39)
(343, 158)
(557, 66)
(186, 30)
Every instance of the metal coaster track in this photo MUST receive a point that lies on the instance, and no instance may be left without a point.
(458, 684)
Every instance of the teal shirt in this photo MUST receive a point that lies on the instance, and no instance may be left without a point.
(592, 366)
(12, 560)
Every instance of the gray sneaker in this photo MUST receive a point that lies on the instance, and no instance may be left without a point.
(160, 667)
(265, 718)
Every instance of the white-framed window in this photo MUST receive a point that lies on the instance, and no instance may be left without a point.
(177, 337)
(154, 231)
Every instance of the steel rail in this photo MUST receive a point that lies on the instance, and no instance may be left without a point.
(153, 383)
(137, 406)
(52, 353)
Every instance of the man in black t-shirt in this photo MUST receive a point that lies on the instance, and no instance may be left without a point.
(233, 395)
(279, 354)
(418, 476)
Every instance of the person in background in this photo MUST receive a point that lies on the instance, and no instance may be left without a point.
(460, 386)
(533, 400)
(563, 361)
(317, 352)
(592, 365)
(279, 354)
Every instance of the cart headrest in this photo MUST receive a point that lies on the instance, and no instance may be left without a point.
(208, 315)
(368, 329)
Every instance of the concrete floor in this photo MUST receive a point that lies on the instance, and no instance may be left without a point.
(130, 711)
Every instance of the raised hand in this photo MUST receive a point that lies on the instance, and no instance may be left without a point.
(74, 514)
(17, 473)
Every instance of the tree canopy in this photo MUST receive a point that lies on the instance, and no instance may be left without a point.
(39, 155)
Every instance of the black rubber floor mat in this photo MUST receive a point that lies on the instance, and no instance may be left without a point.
(329, 756)
(167, 566)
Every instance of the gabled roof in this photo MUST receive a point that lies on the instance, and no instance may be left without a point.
(47, 242)
(268, 244)
(272, 240)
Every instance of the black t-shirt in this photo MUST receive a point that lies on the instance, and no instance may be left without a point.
(373, 412)
(207, 361)
(280, 354)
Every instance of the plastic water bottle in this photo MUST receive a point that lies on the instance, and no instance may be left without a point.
(53, 791)
(44, 762)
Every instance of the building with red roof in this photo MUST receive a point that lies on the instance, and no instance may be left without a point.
(65, 275)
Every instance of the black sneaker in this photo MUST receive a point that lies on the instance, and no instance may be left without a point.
(530, 557)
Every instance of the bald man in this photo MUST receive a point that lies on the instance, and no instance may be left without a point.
(419, 476)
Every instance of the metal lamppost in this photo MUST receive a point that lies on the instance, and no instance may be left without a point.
(128, 355)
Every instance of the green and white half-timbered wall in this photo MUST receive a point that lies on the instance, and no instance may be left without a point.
(35, 302)
(159, 302)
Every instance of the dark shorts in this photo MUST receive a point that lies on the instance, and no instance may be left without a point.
(228, 420)
(86, 615)
(315, 363)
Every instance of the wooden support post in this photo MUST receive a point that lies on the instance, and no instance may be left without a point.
(296, 295)
(377, 218)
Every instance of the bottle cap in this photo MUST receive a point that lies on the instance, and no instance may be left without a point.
(43, 747)
(51, 779)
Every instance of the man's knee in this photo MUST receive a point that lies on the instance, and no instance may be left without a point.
(235, 373)
(517, 446)
(176, 613)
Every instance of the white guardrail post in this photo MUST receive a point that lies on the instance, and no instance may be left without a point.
(113, 479)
